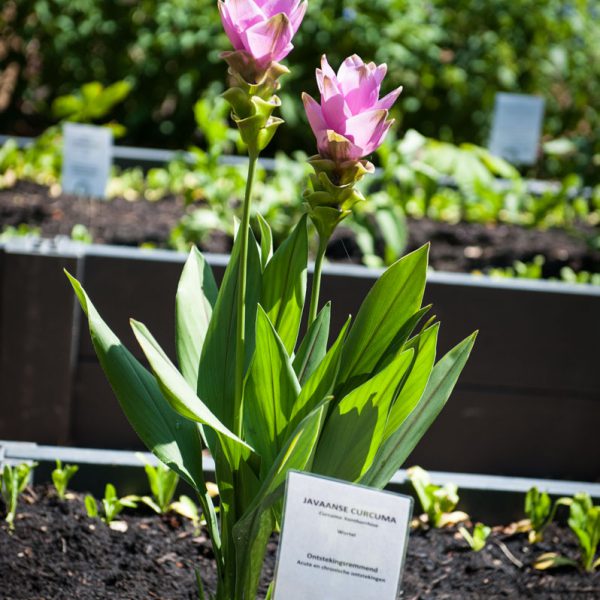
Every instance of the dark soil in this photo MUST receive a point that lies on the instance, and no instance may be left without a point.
(57, 552)
(460, 247)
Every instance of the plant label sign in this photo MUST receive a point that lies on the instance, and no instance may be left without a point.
(340, 541)
(516, 127)
(87, 159)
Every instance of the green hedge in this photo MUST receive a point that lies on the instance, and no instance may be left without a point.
(450, 55)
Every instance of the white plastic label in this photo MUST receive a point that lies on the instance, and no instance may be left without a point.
(516, 127)
(87, 159)
(340, 541)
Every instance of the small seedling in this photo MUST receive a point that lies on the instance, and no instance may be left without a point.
(584, 521)
(13, 480)
(187, 508)
(163, 483)
(61, 477)
(478, 538)
(437, 502)
(112, 505)
(540, 512)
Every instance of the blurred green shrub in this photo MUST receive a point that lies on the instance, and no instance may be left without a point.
(451, 56)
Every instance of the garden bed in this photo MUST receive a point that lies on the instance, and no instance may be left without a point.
(463, 247)
(58, 552)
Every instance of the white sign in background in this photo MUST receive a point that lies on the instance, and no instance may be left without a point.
(87, 159)
(340, 541)
(517, 127)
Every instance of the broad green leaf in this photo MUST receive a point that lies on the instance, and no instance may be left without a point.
(252, 531)
(270, 393)
(196, 296)
(412, 389)
(266, 241)
(320, 383)
(216, 375)
(313, 348)
(175, 388)
(400, 338)
(395, 450)
(284, 285)
(391, 303)
(355, 428)
(174, 440)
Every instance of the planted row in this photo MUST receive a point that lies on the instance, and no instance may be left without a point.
(438, 504)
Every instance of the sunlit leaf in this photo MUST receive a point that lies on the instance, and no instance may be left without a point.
(174, 440)
(313, 348)
(196, 296)
(355, 428)
(284, 285)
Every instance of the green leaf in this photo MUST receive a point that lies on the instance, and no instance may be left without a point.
(402, 442)
(252, 531)
(196, 296)
(91, 507)
(314, 345)
(355, 428)
(65, 106)
(270, 393)
(216, 375)
(174, 440)
(266, 241)
(401, 337)
(284, 285)
(391, 303)
(175, 388)
(321, 382)
(413, 387)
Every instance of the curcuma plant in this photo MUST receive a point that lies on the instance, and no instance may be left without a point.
(262, 393)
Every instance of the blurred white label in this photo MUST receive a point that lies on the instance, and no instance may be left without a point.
(87, 159)
(340, 541)
(516, 128)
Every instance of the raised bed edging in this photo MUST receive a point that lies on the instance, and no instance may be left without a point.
(493, 499)
(528, 403)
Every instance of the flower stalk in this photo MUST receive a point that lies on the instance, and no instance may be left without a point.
(241, 300)
(316, 286)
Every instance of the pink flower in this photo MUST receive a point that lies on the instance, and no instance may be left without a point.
(351, 121)
(262, 28)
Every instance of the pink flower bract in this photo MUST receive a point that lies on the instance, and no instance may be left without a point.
(351, 121)
(263, 28)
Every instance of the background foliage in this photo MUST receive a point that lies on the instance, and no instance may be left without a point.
(451, 57)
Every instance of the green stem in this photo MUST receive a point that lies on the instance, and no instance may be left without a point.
(241, 299)
(316, 282)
